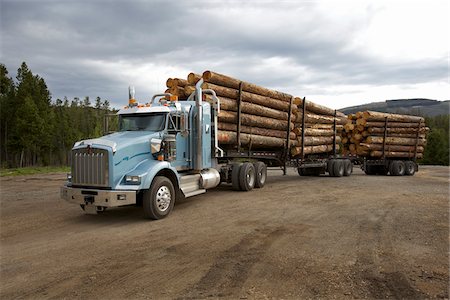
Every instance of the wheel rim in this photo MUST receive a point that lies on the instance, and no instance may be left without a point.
(262, 177)
(163, 198)
(251, 177)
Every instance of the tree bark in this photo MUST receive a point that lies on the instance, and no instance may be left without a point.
(378, 116)
(391, 130)
(256, 141)
(393, 148)
(395, 154)
(318, 140)
(172, 82)
(250, 108)
(257, 121)
(233, 83)
(246, 97)
(394, 141)
(314, 131)
(317, 108)
(257, 130)
(193, 78)
(315, 119)
(295, 151)
(393, 124)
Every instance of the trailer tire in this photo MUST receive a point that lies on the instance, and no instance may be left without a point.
(158, 201)
(338, 168)
(330, 167)
(236, 167)
(397, 168)
(348, 167)
(410, 168)
(261, 174)
(247, 176)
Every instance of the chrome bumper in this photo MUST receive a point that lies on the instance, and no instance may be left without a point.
(106, 198)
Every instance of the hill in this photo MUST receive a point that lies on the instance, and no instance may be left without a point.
(419, 106)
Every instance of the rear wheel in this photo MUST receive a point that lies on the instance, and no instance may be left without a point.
(397, 168)
(247, 176)
(410, 168)
(338, 168)
(235, 176)
(261, 174)
(348, 167)
(330, 167)
(158, 201)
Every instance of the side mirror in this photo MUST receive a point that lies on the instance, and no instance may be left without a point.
(155, 145)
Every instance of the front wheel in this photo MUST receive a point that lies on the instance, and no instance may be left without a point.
(158, 201)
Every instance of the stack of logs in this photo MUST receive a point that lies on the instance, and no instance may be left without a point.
(264, 115)
(319, 130)
(364, 135)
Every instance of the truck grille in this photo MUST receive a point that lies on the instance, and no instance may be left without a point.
(90, 167)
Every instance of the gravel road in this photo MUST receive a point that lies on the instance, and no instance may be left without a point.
(298, 237)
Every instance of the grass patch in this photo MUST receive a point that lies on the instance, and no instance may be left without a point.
(32, 171)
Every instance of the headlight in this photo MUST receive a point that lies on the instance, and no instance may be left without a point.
(130, 179)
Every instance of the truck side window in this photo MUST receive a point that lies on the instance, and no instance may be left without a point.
(174, 123)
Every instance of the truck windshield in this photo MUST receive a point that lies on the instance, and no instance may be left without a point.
(142, 122)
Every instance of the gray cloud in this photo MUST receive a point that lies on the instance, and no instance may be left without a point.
(289, 45)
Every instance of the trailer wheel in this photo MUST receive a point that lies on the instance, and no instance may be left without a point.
(158, 201)
(236, 167)
(369, 170)
(348, 167)
(247, 176)
(410, 168)
(330, 167)
(261, 174)
(397, 168)
(338, 168)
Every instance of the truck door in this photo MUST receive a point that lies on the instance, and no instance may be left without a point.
(182, 158)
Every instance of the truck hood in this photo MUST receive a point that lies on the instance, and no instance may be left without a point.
(130, 148)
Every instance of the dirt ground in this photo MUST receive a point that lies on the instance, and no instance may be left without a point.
(298, 237)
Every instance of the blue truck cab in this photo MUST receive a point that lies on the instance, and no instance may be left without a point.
(163, 150)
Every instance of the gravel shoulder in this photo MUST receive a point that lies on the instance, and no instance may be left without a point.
(298, 237)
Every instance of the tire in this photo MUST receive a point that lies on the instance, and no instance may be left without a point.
(397, 168)
(338, 168)
(348, 167)
(158, 201)
(261, 174)
(330, 167)
(235, 176)
(247, 177)
(410, 168)
(369, 170)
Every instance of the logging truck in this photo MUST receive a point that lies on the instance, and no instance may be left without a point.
(169, 149)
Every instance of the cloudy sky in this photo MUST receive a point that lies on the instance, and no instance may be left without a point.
(337, 53)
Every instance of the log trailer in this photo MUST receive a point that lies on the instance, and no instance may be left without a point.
(166, 150)
(393, 163)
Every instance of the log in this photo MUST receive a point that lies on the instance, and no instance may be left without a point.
(251, 120)
(256, 141)
(314, 131)
(405, 135)
(318, 140)
(361, 121)
(324, 126)
(250, 108)
(172, 82)
(257, 130)
(394, 124)
(378, 116)
(295, 151)
(226, 81)
(394, 148)
(395, 154)
(313, 118)
(178, 91)
(247, 97)
(349, 127)
(193, 78)
(397, 130)
(394, 141)
(317, 108)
